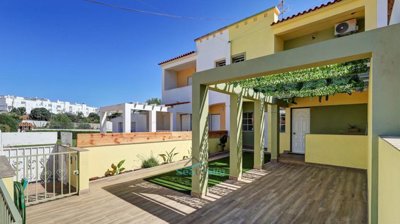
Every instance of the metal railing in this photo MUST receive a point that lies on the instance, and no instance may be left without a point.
(8, 212)
(51, 171)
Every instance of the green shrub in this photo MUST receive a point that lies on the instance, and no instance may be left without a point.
(84, 126)
(150, 162)
(40, 114)
(5, 128)
(10, 121)
(115, 169)
(168, 157)
(61, 121)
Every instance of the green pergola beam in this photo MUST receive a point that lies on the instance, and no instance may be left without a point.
(247, 93)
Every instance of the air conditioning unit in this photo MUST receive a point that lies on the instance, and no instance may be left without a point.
(346, 28)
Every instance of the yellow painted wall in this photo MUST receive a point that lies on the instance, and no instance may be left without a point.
(9, 184)
(337, 150)
(318, 36)
(219, 109)
(310, 20)
(183, 75)
(388, 183)
(253, 36)
(372, 12)
(310, 38)
(338, 99)
(99, 159)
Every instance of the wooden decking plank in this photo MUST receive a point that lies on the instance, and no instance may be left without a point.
(286, 193)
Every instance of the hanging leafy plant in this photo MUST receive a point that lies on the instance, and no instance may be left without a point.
(319, 81)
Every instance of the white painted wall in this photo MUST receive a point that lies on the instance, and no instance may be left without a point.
(182, 94)
(395, 18)
(7, 103)
(171, 94)
(140, 120)
(382, 13)
(27, 138)
(212, 50)
(208, 52)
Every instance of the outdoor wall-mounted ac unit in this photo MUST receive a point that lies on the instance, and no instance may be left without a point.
(346, 28)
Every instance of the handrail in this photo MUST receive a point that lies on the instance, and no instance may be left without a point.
(8, 210)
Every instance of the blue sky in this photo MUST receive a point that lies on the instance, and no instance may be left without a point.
(82, 52)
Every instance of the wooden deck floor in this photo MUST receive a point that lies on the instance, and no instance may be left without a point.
(283, 193)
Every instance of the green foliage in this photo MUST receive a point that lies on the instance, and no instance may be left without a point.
(319, 81)
(115, 169)
(19, 111)
(150, 162)
(5, 128)
(84, 126)
(77, 118)
(93, 118)
(156, 101)
(61, 121)
(189, 156)
(9, 120)
(40, 114)
(114, 115)
(168, 157)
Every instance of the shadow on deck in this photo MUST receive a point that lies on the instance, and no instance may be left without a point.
(282, 193)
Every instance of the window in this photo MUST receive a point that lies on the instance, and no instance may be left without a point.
(220, 63)
(238, 58)
(282, 120)
(189, 81)
(214, 122)
(248, 121)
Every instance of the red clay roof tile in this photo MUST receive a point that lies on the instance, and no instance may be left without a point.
(180, 56)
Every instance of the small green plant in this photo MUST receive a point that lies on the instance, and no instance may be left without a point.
(150, 162)
(115, 169)
(168, 157)
(189, 156)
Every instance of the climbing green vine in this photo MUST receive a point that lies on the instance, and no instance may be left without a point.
(319, 81)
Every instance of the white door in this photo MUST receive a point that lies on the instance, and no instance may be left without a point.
(266, 130)
(300, 127)
(215, 122)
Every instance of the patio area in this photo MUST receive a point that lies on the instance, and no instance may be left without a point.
(282, 193)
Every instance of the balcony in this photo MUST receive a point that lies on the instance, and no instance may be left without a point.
(180, 94)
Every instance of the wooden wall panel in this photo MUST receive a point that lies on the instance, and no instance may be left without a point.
(100, 139)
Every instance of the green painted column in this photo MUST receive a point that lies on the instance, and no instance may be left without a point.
(273, 131)
(259, 110)
(383, 113)
(235, 140)
(199, 140)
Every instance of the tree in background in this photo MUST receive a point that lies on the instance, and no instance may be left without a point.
(40, 114)
(20, 111)
(61, 121)
(8, 123)
(114, 115)
(156, 101)
(93, 118)
(84, 126)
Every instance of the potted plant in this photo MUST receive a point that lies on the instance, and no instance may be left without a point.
(222, 142)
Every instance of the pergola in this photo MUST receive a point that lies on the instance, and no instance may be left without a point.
(380, 45)
(126, 110)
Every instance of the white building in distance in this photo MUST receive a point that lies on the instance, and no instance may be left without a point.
(7, 103)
